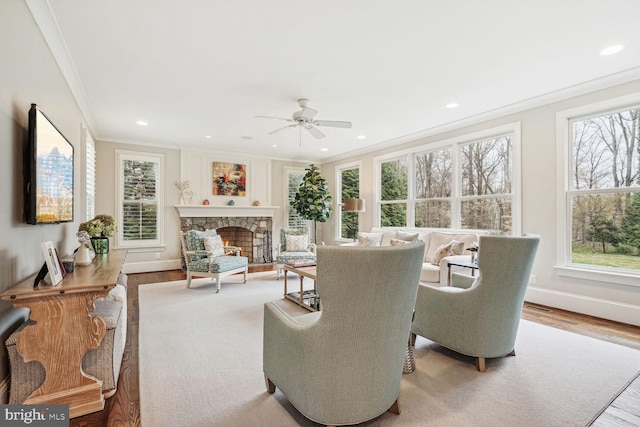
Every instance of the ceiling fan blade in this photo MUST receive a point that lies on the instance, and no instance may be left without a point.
(271, 117)
(332, 123)
(314, 131)
(281, 129)
(308, 113)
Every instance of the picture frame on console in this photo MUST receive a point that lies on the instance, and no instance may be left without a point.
(52, 263)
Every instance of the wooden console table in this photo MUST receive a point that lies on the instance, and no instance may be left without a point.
(65, 332)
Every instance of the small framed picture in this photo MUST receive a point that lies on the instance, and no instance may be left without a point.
(53, 264)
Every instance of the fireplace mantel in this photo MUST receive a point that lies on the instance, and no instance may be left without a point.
(208, 211)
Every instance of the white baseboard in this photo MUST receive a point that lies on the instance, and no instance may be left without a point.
(611, 310)
(4, 390)
(149, 266)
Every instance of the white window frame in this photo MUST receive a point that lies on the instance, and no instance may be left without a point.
(122, 155)
(288, 170)
(564, 160)
(511, 129)
(88, 175)
(338, 211)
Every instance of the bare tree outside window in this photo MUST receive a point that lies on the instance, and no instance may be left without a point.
(604, 190)
(434, 173)
(486, 185)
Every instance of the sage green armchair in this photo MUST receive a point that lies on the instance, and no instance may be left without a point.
(480, 319)
(343, 365)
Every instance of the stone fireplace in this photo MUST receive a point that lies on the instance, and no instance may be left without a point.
(250, 228)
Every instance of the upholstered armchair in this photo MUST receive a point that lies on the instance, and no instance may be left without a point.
(295, 243)
(343, 365)
(480, 317)
(205, 256)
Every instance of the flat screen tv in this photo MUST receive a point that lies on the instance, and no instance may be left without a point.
(48, 172)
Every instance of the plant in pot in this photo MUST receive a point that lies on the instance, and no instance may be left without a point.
(100, 229)
(313, 201)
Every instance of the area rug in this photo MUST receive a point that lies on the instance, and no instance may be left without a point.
(201, 365)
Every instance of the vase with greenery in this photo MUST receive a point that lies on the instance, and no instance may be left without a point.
(313, 201)
(100, 229)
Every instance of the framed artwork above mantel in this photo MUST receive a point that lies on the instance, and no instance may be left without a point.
(229, 179)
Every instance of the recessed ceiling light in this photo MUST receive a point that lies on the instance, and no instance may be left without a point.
(275, 145)
(361, 137)
(142, 123)
(452, 105)
(611, 50)
(246, 137)
(208, 136)
(324, 149)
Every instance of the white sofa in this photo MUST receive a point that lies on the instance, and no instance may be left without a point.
(433, 239)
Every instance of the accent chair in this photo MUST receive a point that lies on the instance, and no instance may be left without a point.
(295, 243)
(480, 317)
(205, 256)
(343, 365)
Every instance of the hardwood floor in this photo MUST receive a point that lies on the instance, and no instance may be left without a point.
(123, 409)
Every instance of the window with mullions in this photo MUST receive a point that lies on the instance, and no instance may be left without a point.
(486, 185)
(603, 196)
(467, 182)
(433, 188)
(139, 199)
(394, 193)
(294, 177)
(348, 178)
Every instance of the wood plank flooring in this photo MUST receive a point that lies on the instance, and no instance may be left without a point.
(123, 409)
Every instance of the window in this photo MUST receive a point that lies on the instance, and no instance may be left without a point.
(464, 183)
(603, 191)
(294, 177)
(394, 192)
(89, 173)
(348, 187)
(140, 199)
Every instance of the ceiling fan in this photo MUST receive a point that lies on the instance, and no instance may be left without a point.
(304, 119)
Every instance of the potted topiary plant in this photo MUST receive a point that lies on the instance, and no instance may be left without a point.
(100, 229)
(313, 201)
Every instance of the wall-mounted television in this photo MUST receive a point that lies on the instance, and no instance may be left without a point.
(48, 172)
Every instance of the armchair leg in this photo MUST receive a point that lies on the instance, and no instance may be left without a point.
(271, 387)
(513, 352)
(395, 408)
(245, 275)
(188, 280)
(412, 339)
(218, 283)
(480, 364)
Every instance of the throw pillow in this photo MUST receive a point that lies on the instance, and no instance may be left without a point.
(214, 245)
(369, 239)
(442, 251)
(457, 247)
(297, 243)
(408, 237)
(398, 242)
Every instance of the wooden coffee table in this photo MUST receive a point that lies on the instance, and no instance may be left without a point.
(308, 299)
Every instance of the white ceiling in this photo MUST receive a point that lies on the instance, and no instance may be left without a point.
(208, 67)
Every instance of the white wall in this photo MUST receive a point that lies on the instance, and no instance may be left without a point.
(539, 169)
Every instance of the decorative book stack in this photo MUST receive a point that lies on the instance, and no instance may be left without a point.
(302, 262)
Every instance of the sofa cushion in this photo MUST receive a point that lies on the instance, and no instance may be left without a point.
(387, 235)
(369, 239)
(409, 237)
(430, 273)
(439, 238)
(442, 251)
(457, 247)
(398, 242)
(214, 245)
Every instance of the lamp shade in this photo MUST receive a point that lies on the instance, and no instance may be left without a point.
(354, 205)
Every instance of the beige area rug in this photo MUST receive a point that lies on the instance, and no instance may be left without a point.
(201, 365)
